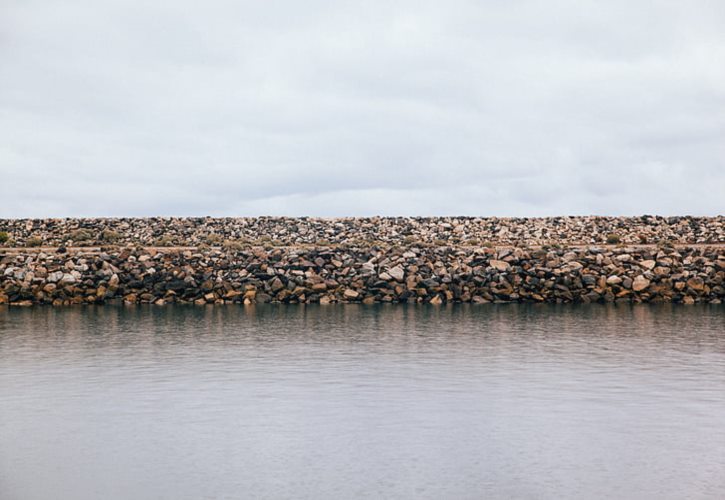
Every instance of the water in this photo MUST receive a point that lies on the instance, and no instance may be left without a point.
(362, 402)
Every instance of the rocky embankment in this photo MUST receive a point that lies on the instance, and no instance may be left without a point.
(408, 272)
(397, 231)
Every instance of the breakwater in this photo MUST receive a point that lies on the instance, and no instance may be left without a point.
(411, 272)
(241, 232)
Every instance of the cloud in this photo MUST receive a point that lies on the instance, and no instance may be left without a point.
(349, 108)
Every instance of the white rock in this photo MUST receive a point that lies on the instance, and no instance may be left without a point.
(68, 278)
(55, 276)
(397, 273)
(614, 280)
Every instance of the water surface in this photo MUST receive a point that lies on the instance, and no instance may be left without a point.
(362, 402)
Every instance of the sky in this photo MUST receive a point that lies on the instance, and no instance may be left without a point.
(281, 107)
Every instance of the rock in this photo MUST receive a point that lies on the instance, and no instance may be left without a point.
(68, 279)
(430, 283)
(55, 276)
(572, 266)
(368, 268)
(276, 284)
(648, 264)
(499, 265)
(569, 257)
(431, 264)
(695, 283)
(589, 280)
(436, 300)
(397, 273)
(640, 283)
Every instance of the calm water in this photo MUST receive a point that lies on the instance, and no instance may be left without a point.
(362, 402)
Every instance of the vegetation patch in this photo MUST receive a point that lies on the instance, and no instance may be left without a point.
(33, 241)
(109, 236)
(613, 239)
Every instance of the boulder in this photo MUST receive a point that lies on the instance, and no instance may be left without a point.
(499, 265)
(640, 283)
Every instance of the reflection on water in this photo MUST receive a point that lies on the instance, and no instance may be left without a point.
(353, 401)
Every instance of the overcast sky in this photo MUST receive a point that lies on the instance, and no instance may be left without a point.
(504, 107)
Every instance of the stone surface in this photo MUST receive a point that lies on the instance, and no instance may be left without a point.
(397, 273)
(364, 260)
(369, 231)
(500, 265)
(640, 283)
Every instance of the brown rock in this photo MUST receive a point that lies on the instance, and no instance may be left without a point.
(640, 283)
(499, 265)
(696, 283)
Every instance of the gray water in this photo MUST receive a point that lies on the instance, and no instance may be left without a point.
(362, 402)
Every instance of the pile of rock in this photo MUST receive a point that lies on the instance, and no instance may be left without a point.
(431, 231)
(361, 273)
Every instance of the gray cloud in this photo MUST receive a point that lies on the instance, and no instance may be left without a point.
(359, 108)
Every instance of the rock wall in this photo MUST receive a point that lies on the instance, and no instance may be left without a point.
(436, 231)
(368, 274)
